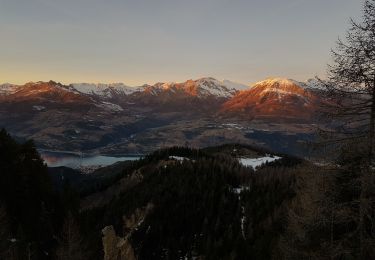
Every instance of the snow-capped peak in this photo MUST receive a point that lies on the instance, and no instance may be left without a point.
(214, 87)
(29, 88)
(310, 84)
(278, 82)
(8, 89)
(201, 88)
(103, 90)
(226, 83)
(280, 89)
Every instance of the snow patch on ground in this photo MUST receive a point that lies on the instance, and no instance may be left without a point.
(256, 162)
(240, 189)
(232, 126)
(39, 108)
(243, 220)
(110, 106)
(178, 158)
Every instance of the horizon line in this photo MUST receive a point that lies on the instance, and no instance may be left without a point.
(158, 82)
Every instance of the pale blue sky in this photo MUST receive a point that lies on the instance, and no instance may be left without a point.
(147, 41)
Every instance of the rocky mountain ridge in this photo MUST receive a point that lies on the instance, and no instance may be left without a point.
(119, 119)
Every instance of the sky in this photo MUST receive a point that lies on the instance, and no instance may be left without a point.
(149, 41)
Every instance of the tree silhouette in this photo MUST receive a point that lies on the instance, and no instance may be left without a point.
(351, 84)
(351, 113)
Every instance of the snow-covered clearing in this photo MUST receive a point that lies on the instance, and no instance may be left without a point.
(178, 158)
(256, 162)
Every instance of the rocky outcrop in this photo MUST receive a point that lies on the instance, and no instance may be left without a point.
(120, 248)
(116, 248)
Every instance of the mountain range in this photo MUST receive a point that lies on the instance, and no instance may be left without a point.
(119, 119)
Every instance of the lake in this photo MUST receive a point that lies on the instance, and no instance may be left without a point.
(75, 160)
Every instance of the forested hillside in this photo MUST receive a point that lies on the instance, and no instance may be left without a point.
(181, 203)
(30, 210)
(205, 205)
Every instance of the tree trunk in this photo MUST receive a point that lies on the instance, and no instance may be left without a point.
(366, 172)
(372, 126)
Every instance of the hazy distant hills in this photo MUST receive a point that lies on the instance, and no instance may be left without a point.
(115, 118)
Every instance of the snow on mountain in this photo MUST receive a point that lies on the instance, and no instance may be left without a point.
(274, 98)
(214, 87)
(280, 87)
(8, 89)
(314, 84)
(110, 106)
(310, 84)
(201, 88)
(278, 83)
(31, 89)
(103, 90)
